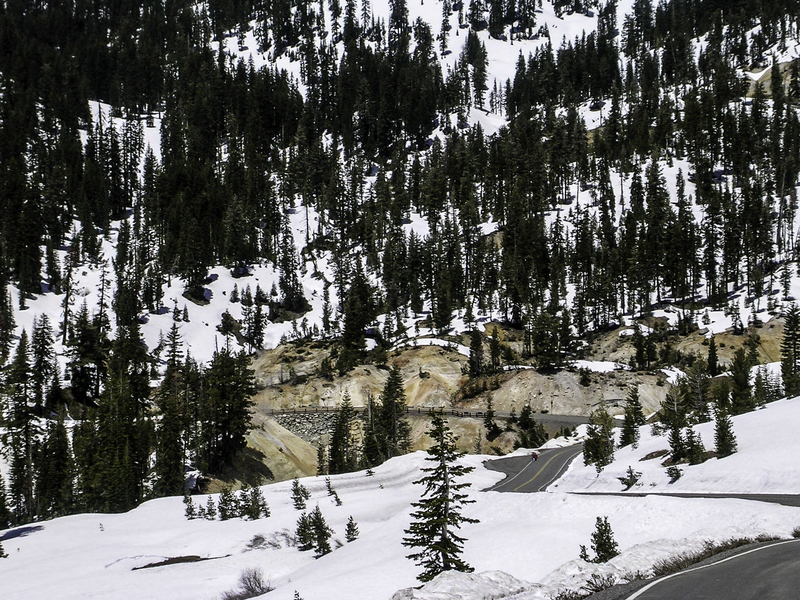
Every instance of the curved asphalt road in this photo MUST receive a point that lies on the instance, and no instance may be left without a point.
(522, 475)
(768, 572)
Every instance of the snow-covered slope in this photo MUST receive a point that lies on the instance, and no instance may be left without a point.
(766, 461)
(532, 537)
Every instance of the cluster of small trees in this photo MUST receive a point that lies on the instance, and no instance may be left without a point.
(386, 431)
(248, 503)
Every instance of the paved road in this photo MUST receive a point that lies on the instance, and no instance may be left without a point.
(768, 572)
(784, 499)
(526, 476)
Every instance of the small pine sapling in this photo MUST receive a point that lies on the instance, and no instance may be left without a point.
(351, 530)
(299, 495)
(336, 499)
(329, 487)
(211, 509)
(631, 478)
(674, 473)
(695, 451)
(191, 511)
(2, 552)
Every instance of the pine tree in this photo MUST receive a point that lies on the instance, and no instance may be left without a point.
(724, 438)
(790, 351)
(22, 430)
(190, 512)
(228, 506)
(603, 543)
(5, 512)
(741, 393)
(476, 353)
(695, 451)
(304, 532)
(630, 430)
(210, 509)
(343, 457)
(55, 480)
(321, 532)
(394, 427)
(438, 513)
(713, 364)
(351, 530)
(299, 495)
(598, 449)
(254, 505)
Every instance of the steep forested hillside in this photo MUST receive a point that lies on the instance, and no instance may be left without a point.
(231, 173)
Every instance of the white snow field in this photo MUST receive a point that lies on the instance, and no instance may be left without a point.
(534, 538)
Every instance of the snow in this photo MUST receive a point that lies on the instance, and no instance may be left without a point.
(600, 366)
(765, 463)
(525, 544)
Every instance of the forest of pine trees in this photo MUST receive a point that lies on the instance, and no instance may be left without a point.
(243, 145)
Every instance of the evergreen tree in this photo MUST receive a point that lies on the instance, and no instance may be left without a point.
(790, 351)
(321, 533)
(741, 392)
(598, 449)
(42, 356)
(476, 353)
(228, 506)
(54, 483)
(299, 495)
(304, 532)
(394, 427)
(5, 513)
(351, 530)
(22, 431)
(724, 438)
(630, 429)
(438, 513)
(695, 451)
(713, 364)
(342, 450)
(190, 511)
(603, 544)
(492, 429)
(225, 410)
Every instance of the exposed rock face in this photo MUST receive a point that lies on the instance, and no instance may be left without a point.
(563, 394)
(291, 377)
(431, 376)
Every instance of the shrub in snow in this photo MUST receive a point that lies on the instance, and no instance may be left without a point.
(251, 584)
(674, 473)
(631, 478)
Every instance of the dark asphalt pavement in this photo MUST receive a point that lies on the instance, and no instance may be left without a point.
(769, 572)
(523, 475)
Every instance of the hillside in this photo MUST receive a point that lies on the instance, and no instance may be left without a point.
(215, 212)
(533, 537)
